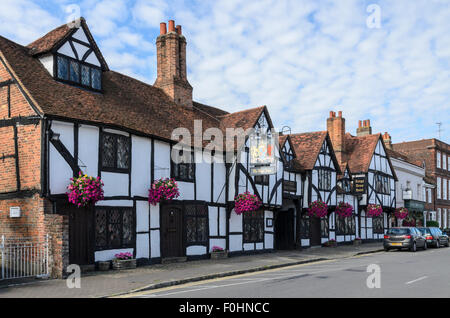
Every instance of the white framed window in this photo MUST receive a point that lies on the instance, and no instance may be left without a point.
(429, 195)
(444, 189)
(438, 159)
(448, 163)
(438, 188)
(424, 194)
(439, 216)
(444, 161)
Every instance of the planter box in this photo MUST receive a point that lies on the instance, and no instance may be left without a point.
(124, 264)
(330, 244)
(357, 242)
(104, 266)
(219, 255)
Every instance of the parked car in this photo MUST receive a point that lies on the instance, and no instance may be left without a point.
(404, 237)
(434, 236)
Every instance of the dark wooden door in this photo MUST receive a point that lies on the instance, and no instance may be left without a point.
(315, 235)
(284, 230)
(81, 235)
(171, 231)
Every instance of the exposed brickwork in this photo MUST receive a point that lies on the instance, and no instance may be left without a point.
(171, 68)
(336, 130)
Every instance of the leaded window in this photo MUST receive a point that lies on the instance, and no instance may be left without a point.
(304, 226)
(324, 179)
(253, 223)
(345, 226)
(114, 228)
(79, 73)
(184, 171)
(115, 154)
(324, 229)
(377, 225)
(196, 218)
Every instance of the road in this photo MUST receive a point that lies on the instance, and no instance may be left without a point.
(402, 274)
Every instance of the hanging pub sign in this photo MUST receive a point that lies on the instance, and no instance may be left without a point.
(359, 184)
(262, 160)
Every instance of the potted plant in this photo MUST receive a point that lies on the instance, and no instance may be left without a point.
(357, 241)
(330, 243)
(85, 190)
(218, 253)
(163, 189)
(318, 209)
(246, 202)
(374, 210)
(124, 261)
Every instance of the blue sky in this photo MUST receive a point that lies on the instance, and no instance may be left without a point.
(300, 58)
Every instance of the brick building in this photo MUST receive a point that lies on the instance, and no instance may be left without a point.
(436, 155)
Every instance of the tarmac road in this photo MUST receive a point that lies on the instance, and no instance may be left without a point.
(402, 274)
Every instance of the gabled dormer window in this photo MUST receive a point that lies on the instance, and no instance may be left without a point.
(78, 73)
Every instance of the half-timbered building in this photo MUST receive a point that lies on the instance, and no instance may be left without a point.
(366, 163)
(64, 112)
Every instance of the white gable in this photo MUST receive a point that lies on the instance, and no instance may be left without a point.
(80, 35)
(66, 50)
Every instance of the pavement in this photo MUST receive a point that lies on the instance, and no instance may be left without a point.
(144, 278)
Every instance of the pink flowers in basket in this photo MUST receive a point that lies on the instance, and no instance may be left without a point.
(344, 210)
(374, 210)
(85, 190)
(246, 202)
(163, 189)
(401, 213)
(124, 256)
(217, 249)
(318, 209)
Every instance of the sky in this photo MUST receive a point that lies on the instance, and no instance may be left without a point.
(387, 61)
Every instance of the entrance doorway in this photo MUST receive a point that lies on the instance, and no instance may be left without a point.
(315, 232)
(284, 230)
(171, 231)
(81, 235)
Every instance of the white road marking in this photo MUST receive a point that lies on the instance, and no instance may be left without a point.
(416, 280)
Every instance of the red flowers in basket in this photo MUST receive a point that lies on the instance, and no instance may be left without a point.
(401, 213)
(344, 210)
(85, 190)
(246, 202)
(374, 210)
(163, 189)
(318, 209)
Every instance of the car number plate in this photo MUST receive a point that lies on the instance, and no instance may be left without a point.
(396, 244)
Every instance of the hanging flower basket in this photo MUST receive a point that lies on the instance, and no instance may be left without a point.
(409, 222)
(163, 189)
(246, 202)
(85, 190)
(401, 213)
(344, 210)
(318, 209)
(374, 210)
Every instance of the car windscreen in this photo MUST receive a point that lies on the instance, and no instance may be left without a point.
(424, 231)
(398, 231)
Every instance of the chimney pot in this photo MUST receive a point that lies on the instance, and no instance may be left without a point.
(179, 29)
(162, 28)
(360, 124)
(340, 113)
(368, 122)
(171, 26)
(331, 114)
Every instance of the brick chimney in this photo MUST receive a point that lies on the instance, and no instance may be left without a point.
(336, 130)
(387, 141)
(171, 56)
(364, 128)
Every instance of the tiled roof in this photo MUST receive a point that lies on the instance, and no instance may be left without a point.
(295, 163)
(307, 147)
(404, 157)
(359, 151)
(124, 103)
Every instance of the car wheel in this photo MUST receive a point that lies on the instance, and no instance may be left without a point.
(425, 246)
(438, 245)
(386, 249)
(413, 247)
(448, 244)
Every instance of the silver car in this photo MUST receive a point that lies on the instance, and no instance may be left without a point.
(404, 237)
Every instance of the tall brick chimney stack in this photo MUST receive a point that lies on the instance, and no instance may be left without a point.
(171, 56)
(364, 128)
(336, 130)
(387, 141)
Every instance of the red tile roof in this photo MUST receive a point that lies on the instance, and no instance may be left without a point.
(307, 147)
(124, 103)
